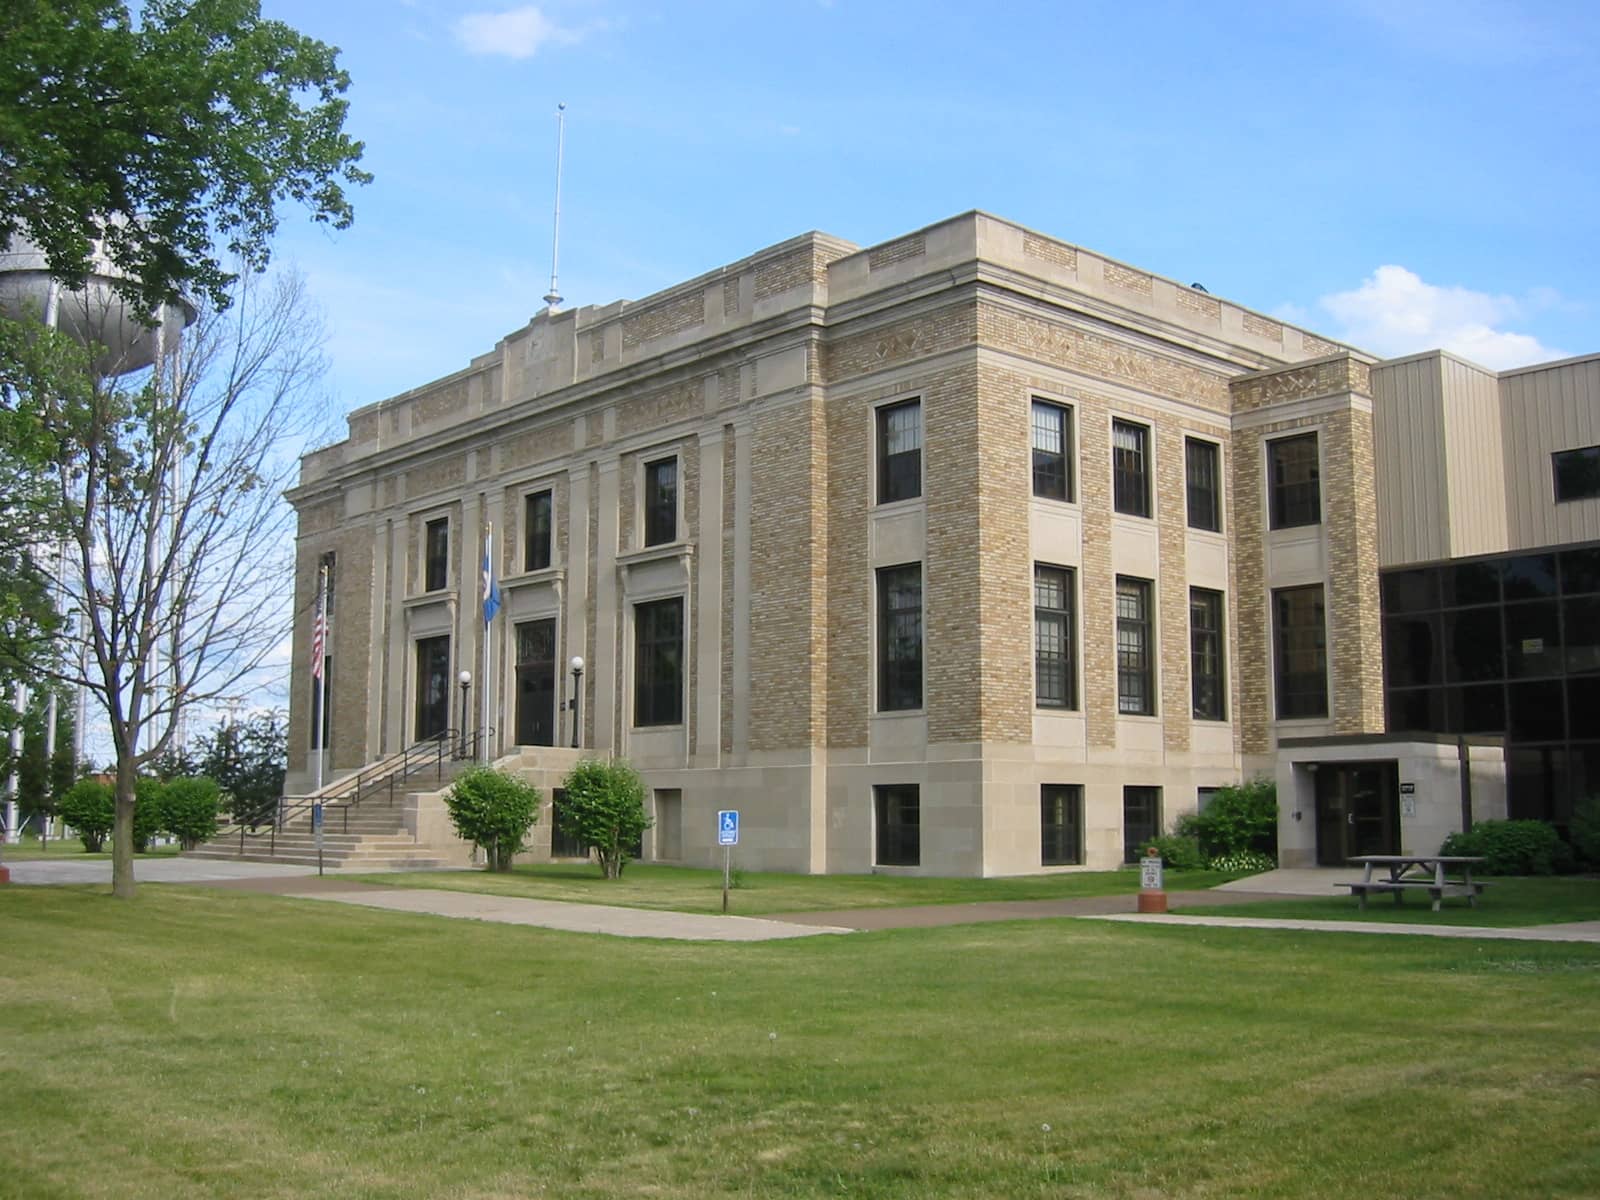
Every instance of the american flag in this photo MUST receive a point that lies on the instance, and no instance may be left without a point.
(319, 629)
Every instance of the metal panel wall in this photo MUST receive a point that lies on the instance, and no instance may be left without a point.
(1409, 445)
(1548, 409)
(1474, 458)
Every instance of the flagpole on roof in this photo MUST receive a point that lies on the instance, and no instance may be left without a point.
(553, 300)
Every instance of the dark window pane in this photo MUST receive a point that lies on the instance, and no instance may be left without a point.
(1294, 481)
(1141, 820)
(658, 662)
(1583, 710)
(1471, 583)
(1412, 650)
(1204, 484)
(1061, 824)
(1135, 662)
(1130, 468)
(661, 502)
(900, 637)
(1531, 577)
(1577, 473)
(1536, 780)
(1418, 710)
(1479, 709)
(1052, 451)
(1410, 591)
(900, 451)
(436, 568)
(433, 687)
(1476, 645)
(1300, 641)
(1055, 673)
(536, 547)
(1580, 570)
(1537, 711)
(1205, 653)
(1580, 620)
(1533, 640)
(899, 822)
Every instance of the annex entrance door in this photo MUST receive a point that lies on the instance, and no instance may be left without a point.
(536, 683)
(1358, 811)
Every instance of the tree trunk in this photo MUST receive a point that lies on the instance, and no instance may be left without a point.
(122, 883)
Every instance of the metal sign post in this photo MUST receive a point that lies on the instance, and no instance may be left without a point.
(727, 838)
(316, 828)
(1152, 892)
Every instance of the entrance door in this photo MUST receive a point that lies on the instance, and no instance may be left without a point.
(536, 683)
(433, 687)
(1358, 811)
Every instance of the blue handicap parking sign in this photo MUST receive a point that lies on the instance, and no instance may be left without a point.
(728, 828)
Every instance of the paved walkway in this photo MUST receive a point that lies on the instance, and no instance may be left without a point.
(146, 870)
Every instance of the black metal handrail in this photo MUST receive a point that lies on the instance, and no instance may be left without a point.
(350, 792)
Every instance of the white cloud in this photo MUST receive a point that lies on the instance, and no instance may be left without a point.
(1395, 312)
(515, 33)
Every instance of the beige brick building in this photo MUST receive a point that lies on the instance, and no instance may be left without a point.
(973, 552)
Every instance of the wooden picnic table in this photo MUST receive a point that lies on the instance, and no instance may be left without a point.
(1433, 876)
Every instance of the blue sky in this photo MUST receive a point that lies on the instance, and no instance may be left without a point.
(1402, 174)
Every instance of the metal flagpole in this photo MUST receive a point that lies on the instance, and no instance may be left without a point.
(553, 300)
(490, 605)
(319, 642)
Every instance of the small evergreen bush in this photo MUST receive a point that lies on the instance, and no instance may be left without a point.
(189, 809)
(493, 810)
(603, 807)
(1510, 847)
(1179, 853)
(1239, 818)
(90, 808)
(1586, 832)
(149, 811)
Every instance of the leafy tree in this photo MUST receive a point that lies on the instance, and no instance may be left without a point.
(603, 807)
(494, 810)
(179, 535)
(164, 134)
(189, 810)
(89, 807)
(247, 759)
(40, 371)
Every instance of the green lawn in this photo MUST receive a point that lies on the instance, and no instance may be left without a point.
(685, 889)
(1505, 903)
(200, 1043)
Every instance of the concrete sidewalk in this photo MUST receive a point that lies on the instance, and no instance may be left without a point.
(576, 918)
(39, 871)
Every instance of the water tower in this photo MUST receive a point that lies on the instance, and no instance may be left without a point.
(125, 340)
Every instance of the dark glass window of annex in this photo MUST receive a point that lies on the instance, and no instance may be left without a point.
(1506, 645)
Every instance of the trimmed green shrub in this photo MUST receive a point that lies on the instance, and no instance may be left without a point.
(493, 810)
(1510, 847)
(189, 809)
(1586, 832)
(1179, 853)
(149, 811)
(90, 808)
(1239, 818)
(603, 807)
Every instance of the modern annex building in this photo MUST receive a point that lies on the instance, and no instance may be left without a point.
(973, 552)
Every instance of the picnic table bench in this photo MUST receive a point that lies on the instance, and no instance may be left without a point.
(1433, 878)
